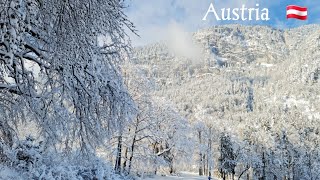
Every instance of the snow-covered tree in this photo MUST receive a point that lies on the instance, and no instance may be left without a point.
(56, 69)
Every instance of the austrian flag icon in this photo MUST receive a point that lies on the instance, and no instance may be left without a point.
(297, 12)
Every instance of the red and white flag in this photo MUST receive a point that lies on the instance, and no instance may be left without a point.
(297, 12)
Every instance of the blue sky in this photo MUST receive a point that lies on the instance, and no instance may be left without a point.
(153, 18)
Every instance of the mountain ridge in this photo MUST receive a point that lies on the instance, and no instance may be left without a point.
(233, 53)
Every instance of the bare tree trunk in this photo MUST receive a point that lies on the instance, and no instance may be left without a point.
(155, 151)
(125, 160)
(200, 155)
(117, 167)
(210, 164)
(264, 177)
(200, 165)
(245, 170)
(207, 165)
(131, 153)
(204, 165)
(171, 168)
(224, 176)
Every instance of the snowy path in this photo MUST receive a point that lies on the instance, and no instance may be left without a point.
(184, 176)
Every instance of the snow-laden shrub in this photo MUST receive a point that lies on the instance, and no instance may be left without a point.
(8, 173)
(30, 160)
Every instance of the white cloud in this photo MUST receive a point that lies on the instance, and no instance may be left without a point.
(153, 17)
(180, 43)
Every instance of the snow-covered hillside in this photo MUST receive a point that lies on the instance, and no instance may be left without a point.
(253, 88)
(234, 53)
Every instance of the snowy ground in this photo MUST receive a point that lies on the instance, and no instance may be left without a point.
(184, 176)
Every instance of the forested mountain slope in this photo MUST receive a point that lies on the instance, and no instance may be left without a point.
(232, 55)
(251, 97)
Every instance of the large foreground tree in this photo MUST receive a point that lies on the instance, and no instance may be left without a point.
(59, 67)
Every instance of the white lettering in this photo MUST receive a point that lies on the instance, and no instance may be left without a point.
(224, 14)
(242, 9)
(250, 12)
(211, 10)
(265, 14)
(235, 14)
(257, 13)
